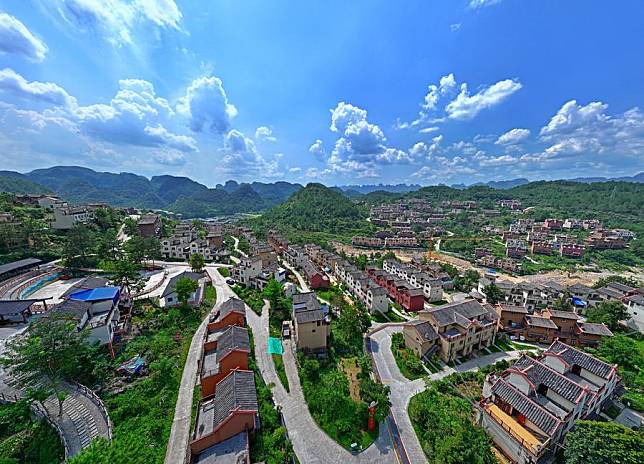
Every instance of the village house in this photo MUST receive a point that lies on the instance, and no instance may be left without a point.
(420, 338)
(169, 295)
(66, 217)
(230, 312)
(367, 242)
(222, 352)
(315, 277)
(149, 225)
(528, 409)
(246, 270)
(233, 410)
(461, 328)
(311, 324)
(277, 242)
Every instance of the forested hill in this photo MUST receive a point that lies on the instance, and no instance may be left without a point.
(315, 208)
(179, 194)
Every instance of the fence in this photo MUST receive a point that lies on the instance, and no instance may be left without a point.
(98, 402)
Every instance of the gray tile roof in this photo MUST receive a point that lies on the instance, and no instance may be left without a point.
(563, 314)
(308, 299)
(424, 329)
(543, 322)
(534, 412)
(74, 308)
(595, 329)
(513, 308)
(573, 356)
(231, 305)
(232, 451)
(236, 391)
(233, 338)
(459, 313)
(539, 373)
(172, 284)
(309, 316)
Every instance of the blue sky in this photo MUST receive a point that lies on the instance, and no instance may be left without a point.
(442, 91)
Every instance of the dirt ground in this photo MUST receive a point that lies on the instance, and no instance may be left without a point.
(351, 369)
(562, 277)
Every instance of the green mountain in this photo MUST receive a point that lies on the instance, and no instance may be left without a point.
(171, 188)
(14, 182)
(315, 208)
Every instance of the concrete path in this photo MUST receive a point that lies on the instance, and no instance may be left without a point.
(310, 443)
(302, 283)
(402, 389)
(236, 240)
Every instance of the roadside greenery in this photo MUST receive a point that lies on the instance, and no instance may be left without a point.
(270, 443)
(628, 354)
(593, 442)
(25, 440)
(409, 364)
(326, 385)
(281, 371)
(253, 298)
(609, 313)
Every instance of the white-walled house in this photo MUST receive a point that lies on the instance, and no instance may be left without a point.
(169, 295)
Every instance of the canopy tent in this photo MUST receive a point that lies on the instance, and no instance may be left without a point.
(275, 346)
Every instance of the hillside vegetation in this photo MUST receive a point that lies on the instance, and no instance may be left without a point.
(315, 210)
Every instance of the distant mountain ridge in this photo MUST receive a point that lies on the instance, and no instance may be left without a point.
(178, 194)
(393, 188)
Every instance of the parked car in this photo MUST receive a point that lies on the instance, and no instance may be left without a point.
(230, 281)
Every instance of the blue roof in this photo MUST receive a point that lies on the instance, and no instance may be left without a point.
(97, 294)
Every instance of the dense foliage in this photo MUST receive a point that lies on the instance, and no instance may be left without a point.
(601, 442)
(409, 364)
(609, 313)
(628, 354)
(314, 209)
(24, 440)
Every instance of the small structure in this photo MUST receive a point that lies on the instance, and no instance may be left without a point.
(311, 325)
(16, 310)
(149, 225)
(169, 296)
(18, 267)
(223, 351)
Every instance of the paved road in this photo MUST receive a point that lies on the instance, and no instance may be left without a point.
(311, 444)
(303, 285)
(402, 389)
(177, 449)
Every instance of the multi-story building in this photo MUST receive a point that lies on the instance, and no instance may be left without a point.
(461, 328)
(66, 217)
(149, 225)
(367, 242)
(312, 328)
(529, 408)
(246, 270)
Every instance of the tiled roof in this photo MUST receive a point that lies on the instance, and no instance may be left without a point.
(172, 283)
(308, 299)
(543, 322)
(526, 406)
(424, 329)
(595, 329)
(460, 313)
(231, 305)
(309, 316)
(233, 338)
(513, 308)
(539, 373)
(586, 361)
(231, 451)
(73, 308)
(563, 314)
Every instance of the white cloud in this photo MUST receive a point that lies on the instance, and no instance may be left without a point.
(475, 4)
(17, 87)
(161, 136)
(577, 129)
(345, 114)
(295, 170)
(428, 130)
(396, 156)
(513, 137)
(265, 133)
(467, 106)
(241, 157)
(207, 106)
(455, 27)
(116, 19)
(16, 39)
(446, 86)
(317, 149)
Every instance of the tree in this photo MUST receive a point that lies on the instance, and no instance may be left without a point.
(563, 304)
(600, 442)
(185, 287)
(126, 273)
(608, 312)
(274, 293)
(48, 354)
(130, 227)
(135, 248)
(152, 248)
(617, 278)
(197, 262)
(493, 294)
(108, 247)
(78, 245)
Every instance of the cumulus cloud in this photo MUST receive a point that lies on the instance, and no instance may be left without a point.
(445, 86)
(207, 106)
(16, 39)
(242, 158)
(116, 19)
(317, 149)
(345, 114)
(513, 137)
(578, 129)
(14, 86)
(265, 133)
(467, 106)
